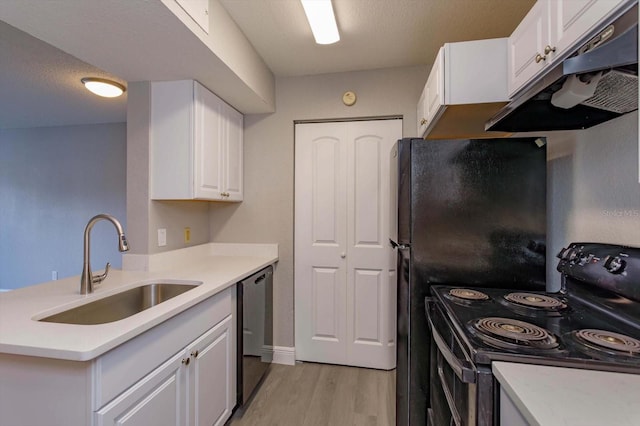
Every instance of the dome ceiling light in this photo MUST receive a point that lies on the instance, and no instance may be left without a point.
(103, 87)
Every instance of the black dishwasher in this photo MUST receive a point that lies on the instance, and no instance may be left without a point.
(255, 331)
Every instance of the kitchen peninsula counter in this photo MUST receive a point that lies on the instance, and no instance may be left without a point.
(551, 396)
(216, 266)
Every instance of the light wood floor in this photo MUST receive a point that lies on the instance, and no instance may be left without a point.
(309, 394)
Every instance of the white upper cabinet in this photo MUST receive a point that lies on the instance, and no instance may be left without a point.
(549, 32)
(196, 144)
(464, 75)
(526, 46)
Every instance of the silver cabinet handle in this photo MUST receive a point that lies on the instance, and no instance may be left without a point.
(540, 58)
(343, 255)
(548, 49)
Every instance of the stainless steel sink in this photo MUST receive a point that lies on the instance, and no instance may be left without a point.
(120, 305)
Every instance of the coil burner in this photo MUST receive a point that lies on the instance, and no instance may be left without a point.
(618, 344)
(539, 301)
(467, 294)
(507, 333)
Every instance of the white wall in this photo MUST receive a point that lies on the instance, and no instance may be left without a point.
(593, 190)
(52, 181)
(266, 215)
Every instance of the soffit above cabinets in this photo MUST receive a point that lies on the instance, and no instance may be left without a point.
(152, 41)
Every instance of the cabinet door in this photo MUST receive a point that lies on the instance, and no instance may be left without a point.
(212, 376)
(208, 144)
(525, 44)
(422, 113)
(435, 88)
(159, 399)
(572, 19)
(233, 152)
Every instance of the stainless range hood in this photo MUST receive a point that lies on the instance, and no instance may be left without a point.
(595, 84)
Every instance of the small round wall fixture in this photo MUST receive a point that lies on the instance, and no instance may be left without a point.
(103, 87)
(349, 98)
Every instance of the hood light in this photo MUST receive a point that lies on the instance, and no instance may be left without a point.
(321, 20)
(103, 87)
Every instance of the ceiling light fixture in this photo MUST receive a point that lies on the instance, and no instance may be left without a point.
(103, 87)
(321, 20)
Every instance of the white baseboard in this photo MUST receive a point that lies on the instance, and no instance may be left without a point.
(284, 355)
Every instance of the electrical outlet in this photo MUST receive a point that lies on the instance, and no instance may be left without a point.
(187, 234)
(54, 275)
(162, 237)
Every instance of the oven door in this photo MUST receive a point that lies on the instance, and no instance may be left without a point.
(461, 394)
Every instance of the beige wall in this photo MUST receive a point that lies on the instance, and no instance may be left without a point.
(266, 215)
(593, 190)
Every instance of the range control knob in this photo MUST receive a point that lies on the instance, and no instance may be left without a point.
(584, 258)
(614, 264)
(567, 254)
(573, 254)
(563, 253)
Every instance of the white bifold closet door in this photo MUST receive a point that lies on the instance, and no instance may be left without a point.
(345, 284)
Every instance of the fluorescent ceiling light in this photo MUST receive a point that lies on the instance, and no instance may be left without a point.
(103, 87)
(322, 20)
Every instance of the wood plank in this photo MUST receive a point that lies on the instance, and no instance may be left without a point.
(312, 394)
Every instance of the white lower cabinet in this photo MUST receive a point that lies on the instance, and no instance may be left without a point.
(510, 415)
(212, 376)
(181, 372)
(194, 387)
(158, 399)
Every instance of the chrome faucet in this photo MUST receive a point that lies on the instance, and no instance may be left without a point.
(88, 280)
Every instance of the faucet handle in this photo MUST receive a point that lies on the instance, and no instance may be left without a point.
(99, 278)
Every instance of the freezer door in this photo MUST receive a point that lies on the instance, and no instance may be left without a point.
(401, 169)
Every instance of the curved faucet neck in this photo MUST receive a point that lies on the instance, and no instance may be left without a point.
(88, 279)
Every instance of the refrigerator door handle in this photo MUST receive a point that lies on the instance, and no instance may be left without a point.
(398, 245)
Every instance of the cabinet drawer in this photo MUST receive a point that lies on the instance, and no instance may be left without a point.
(123, 366)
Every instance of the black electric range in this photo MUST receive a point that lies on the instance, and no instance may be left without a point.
(593, 323)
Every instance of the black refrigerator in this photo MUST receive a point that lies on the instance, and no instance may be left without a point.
(470, 212)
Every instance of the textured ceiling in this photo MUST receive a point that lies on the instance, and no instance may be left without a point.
(374, 33)
(39, 84)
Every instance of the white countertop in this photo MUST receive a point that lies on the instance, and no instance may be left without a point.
(217, 266)
(555, 396)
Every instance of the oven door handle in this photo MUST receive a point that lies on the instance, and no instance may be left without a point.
(463, 369)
